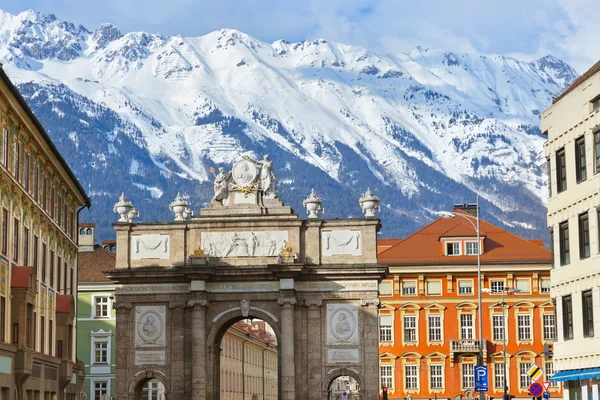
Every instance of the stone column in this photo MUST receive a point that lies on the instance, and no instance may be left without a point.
(315, 377)
(288, 359)
(595, 389)
(123, 340)
(198, 348)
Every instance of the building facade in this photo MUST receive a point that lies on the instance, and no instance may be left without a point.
(39, 203)
(249, 362)
(572, 127)
(96, 324)
(428, 320)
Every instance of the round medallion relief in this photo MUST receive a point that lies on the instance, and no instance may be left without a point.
(150, 326)
(342, 324)
(244, 173)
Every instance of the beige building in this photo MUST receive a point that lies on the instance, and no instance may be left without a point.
(572, 126)
(249, 362)
(39, 202)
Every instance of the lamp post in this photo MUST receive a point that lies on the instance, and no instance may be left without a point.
(470, 218)
(503, 290)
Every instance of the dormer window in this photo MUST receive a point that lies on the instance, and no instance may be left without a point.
(453, 249)
(472, 248)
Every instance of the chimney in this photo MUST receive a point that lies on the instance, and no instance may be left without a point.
(110, 245)
(87, 236)
(469, 208)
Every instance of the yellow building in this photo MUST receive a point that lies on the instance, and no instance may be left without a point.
(39, 202)
(249, 362)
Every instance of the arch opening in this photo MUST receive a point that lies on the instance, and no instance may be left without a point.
(248, 363)
(344, 387)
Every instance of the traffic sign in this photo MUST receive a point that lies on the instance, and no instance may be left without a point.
(481, 378)
(546, 385)
(546, 395)
(535, 389)
(345, 396)
(535, 372)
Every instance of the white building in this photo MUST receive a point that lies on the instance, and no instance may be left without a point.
(572, 126)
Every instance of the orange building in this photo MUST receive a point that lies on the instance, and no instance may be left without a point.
(428, 317)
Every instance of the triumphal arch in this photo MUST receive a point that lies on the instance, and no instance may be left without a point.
(182, 284)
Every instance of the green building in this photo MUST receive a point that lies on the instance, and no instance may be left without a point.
(96, 324)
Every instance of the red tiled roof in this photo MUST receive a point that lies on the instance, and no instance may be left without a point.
(87, 225)
(384, 244)
(92, 263)
(424, 247)
(20, 277)
(111, 241)
(539, 242)
(464, 229)
(63, 303)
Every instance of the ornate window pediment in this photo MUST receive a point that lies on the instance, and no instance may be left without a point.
(525, 353)
(387, 307)
(435, 306)
(387, 356)
(546, 304)
(410, 306)
(466, 305)
(411, 354)
(436, 354)
(524, 304)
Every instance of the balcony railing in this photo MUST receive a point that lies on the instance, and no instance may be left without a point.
(466, 345)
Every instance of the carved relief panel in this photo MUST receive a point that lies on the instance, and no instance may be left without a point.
(342, 242)
(342, 324)
(243, 244)
(150, 326)
(150, 246)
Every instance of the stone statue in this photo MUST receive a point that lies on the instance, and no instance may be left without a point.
(268, 181)
(221, 185)
(245, 307)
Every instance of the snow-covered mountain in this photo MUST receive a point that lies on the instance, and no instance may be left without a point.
(149, 114)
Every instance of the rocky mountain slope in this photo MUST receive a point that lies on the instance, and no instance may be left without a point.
(149, 114)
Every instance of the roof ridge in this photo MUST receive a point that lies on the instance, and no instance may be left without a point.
(409, 236)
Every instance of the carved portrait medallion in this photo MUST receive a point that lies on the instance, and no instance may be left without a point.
(342, 324)
(244, 173)
(150, 327)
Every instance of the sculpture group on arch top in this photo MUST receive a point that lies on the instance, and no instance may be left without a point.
(246, 176)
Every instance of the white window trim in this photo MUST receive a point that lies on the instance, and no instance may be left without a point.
(427, 287)
(441, 316)
(98, 337)
(391, 284)
(431, 388)
(393, 368)
(523, 279)
(460, 249)
(93, 388)
(391, 341)
(418, 376)
(110, 303)
(402, 288)
(467, 247)
(497, 280)
(458, 287)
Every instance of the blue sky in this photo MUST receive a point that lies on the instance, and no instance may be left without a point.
(523, 28)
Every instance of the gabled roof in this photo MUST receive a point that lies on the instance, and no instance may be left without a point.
(92, 263)
(384, 244)
(500, 246)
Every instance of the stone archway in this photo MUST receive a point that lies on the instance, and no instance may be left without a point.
(136, 385)
(215, 335)
(339, 372)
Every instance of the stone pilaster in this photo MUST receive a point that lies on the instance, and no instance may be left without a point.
(370, 364)
(123, 341)
(177, 354)
(198, 348)
(288, 359)
(315, 370)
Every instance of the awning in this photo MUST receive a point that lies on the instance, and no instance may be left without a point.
(576, 374)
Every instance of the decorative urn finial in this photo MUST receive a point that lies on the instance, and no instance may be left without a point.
(369, 203)
(181, 208)
(124, 207)
(313, 205)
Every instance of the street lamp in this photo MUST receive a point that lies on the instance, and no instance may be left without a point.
(470, 218)
(503, 290)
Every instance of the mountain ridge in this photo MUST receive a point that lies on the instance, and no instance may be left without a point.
(413, 122)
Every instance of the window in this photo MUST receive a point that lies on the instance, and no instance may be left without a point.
(549, 166)
(584, 236)
(387, 377)
(100, 352)
(587, 304)
(468, 376)
(561, 171)
(550, 373)
(597, 151)
(5, 139)
(51, 201)
(524, 378)
(552, 246)
(524, 285)
(545, 285)
(497, 285)
(436, 376)
(385, 288)
(36, 182)
(453, 249)
(42, 334)
(598, 225)
(26, 246)
(580, 170)
(2, 319)
(409, 288)
(595, 105)
(50, 337)
(44, 261)
(26, 172)
(51, 268)
(567, 311)
(17, 161)
(434, 288)
(465, 287)
(524, 326)
(549, 326)
(385, 328)
(44, 198)
(102, 307)
(410, 328)
(16, 229)
(498, 327)
(4, 231)
(36, 244)
(410, 377)
(59, 281)
(435, 328)
(472, 248)
(565, 257)
(498, 375)
(466, 326)
(100, 388)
